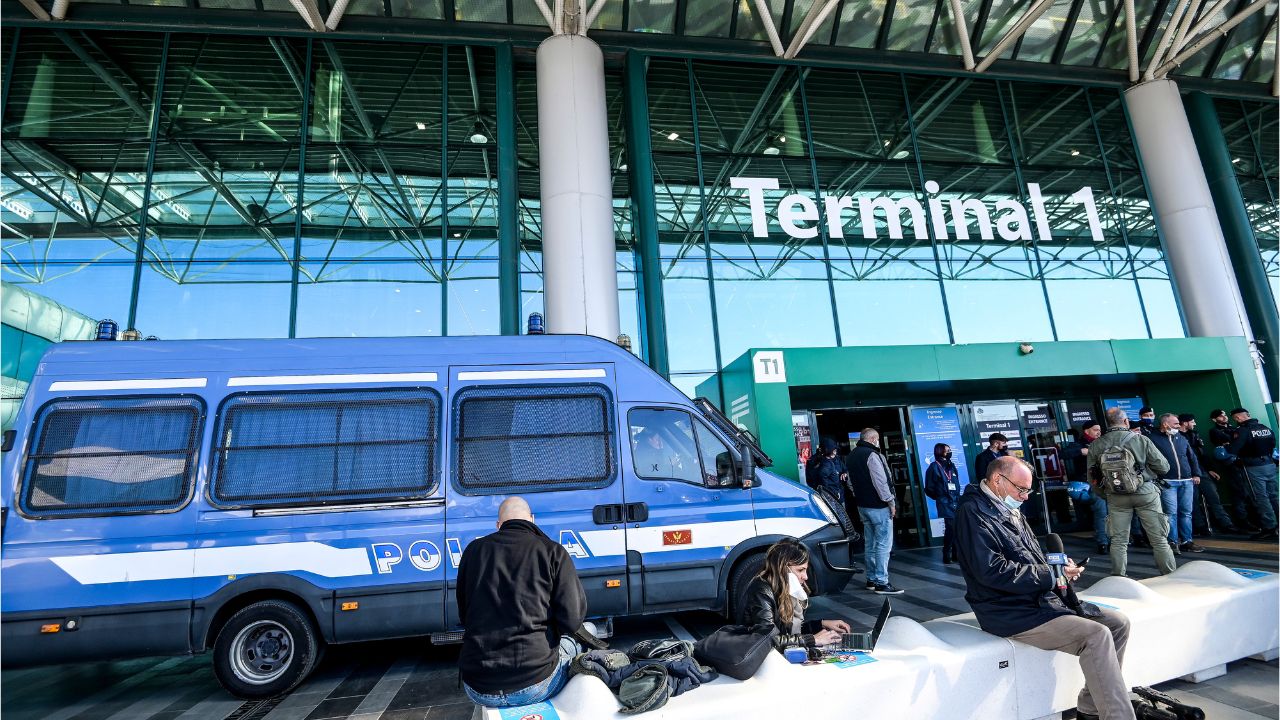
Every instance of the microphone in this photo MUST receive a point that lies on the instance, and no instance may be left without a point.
(1057, 559)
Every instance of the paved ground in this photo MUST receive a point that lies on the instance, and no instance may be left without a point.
(405, 680)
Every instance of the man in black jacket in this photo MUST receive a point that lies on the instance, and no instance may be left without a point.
(1011, 588)
(520, 600)
(1221, 435)
(1255, 444)
(997, 447)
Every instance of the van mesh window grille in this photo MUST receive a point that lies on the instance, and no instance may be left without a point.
(300, 448)
(534, 438)
(106, 455)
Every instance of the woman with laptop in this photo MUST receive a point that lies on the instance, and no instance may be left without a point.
(778, 597)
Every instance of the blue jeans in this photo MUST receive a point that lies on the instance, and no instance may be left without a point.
(878, 539)
(1100, 519)
(1176, 500)
(537, 692)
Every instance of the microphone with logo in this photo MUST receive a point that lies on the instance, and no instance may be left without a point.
(1057, 560)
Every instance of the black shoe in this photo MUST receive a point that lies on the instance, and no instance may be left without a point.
(871, 585)
(1227, 530)
(1267, 536)
(1176, 548)
(1191, 547)
(1104, 549)
(1086, 716)
(888, 589)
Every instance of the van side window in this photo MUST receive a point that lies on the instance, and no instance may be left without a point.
(662, 445)
(106, 456)
(533, 438)
(316, 447)
(718, 466)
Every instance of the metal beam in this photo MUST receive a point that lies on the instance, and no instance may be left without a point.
(1209, 37)
(335, 15)
(766, 20)
(1131, 39)
(1166, 38)
(962, 30)
(36, 11)
(1015, 32)
(810, 26)
(310, 14)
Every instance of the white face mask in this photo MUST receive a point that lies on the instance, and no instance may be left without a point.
(795, 587)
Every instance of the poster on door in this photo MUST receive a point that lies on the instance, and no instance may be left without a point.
(1131, 406)
(999, 418)
(930, 426)
(804, 439)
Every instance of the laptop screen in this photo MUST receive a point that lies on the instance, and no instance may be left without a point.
(885, 610)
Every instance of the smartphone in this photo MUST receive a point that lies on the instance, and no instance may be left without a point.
(1084, 563)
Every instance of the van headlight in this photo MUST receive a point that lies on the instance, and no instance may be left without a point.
(825, 509)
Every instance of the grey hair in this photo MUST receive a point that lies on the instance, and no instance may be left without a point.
(1117, 417)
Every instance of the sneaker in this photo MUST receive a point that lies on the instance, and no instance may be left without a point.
(871, 585)
(888, 589)
(1104, 549)
(1265, 536)
(1191, 547)
(1176, 548)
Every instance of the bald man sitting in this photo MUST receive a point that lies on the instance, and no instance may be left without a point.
(520, 600)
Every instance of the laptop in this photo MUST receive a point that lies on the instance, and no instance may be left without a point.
(866, 641)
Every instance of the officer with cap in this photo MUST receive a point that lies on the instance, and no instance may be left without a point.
(1254, 444)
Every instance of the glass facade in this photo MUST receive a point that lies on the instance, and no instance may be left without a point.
(350, 188)
(866, 208)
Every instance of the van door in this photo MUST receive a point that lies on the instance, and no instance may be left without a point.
(329, 487)
(684, 476)
(547, 433)
(98, 528)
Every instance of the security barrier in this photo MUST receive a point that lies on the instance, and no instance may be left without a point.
(1187, 624)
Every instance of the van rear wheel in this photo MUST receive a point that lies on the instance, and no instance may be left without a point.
(265, 649)
(742, 576)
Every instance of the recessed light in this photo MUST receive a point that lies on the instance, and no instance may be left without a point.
(421, 125)
(1235, 161)
(1075, 153)
(673, 136)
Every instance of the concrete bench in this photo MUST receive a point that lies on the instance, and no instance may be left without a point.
(1187, 624)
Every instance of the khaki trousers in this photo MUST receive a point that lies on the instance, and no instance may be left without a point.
(1146, 504)
(1099, 644)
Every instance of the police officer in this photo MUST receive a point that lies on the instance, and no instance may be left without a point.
(1254, 445)
(1220, 436)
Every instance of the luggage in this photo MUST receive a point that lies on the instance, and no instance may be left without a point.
(735, 650)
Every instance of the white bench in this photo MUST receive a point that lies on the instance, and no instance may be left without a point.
(1187, 624)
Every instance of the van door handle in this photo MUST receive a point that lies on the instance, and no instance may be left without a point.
(637, 512)
(607, 514)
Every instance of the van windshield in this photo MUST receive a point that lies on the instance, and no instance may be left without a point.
(726, 426)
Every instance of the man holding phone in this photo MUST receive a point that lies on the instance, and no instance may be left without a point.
(1011, 588)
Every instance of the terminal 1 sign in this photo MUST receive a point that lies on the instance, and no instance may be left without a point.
(798, 214)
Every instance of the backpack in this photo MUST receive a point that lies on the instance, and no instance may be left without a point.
(1121, 472)
(811, 471)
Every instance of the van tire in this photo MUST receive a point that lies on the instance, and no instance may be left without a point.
(743, 573)
(265, 650)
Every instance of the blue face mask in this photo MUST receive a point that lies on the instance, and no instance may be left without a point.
(1010, 502)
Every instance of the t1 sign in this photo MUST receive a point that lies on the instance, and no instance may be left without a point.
(769, 367)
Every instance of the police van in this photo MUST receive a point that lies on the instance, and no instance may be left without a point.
(263, 498)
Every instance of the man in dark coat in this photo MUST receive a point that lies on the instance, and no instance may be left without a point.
(825, 472)
(1011, 588)
(997, 447)
(520, 601)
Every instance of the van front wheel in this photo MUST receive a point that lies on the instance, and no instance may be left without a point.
(265, 649)
(743, 574)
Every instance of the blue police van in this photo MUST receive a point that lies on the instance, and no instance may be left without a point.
(263, 498)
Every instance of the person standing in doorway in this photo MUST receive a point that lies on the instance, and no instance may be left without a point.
(1208, 515)
(1255, 445)
(997, 446)
(1141, 458)
(1146, 422)
(1220, 436)
(1178, 490)
(877, 506)
(942, 484)
(1077, 455)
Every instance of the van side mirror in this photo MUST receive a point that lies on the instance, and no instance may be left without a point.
(9, 437)
(748, 467)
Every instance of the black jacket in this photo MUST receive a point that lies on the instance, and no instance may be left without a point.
(1183, 464)
(1008, 581)
(762, 614)
(518, 592)
(939, 481)
(1220, 435)
(827, 477)
(1197, 447)
(864, 489)
(1253, 443)
(985, 458)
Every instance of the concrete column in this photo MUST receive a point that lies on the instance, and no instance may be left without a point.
(579, 266)
(1194, 245)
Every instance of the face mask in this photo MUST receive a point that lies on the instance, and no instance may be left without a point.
(1146, 421)
(796, 588)
(946, 456)
(1010, 502)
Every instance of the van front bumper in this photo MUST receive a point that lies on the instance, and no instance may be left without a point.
(831, 563)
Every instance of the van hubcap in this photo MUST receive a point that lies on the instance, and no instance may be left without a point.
(261, 652)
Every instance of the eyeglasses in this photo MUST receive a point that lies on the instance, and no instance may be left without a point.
(1023, 491)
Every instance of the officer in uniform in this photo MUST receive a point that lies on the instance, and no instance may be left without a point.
(1255, 444)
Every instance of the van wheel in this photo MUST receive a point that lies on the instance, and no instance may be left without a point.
(264, 650)
(743, 573)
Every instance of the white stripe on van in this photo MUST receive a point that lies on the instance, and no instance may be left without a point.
(154, 384)
(531, 374)
(726, 533)
(312, 557)
(331, 379)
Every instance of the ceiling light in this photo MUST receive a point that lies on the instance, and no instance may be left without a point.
(901, 154)
(772, 149)
(457, 235)
(1235, 161)
(478, 135)
(673, 136)
(421, 125)
(622, 167)
(1075, 153)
